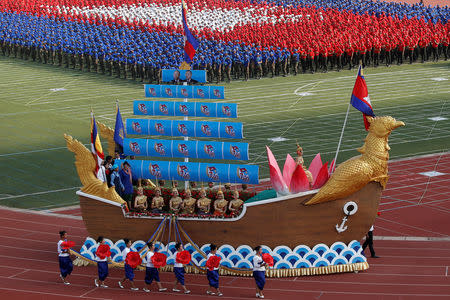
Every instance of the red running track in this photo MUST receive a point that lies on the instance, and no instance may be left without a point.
(413, 243)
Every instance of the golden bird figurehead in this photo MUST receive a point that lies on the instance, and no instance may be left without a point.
(383, 126)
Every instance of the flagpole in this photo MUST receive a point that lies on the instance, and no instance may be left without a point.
(343, 128)
(340, 139)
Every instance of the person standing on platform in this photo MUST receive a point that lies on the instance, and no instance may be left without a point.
(65, 263)
(126, 177)
(115, 180)
(259, 271)
(369, 242)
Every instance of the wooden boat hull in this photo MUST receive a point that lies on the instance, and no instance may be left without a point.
(273, 222)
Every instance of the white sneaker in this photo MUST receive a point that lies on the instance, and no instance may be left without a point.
(176, 290)
(187, 292)
(135, 289)
(146, 290)
(66, 283)
(103, 286)
(120, 285)
(261, 296)
(210, 293)
(163, 289)
(220, 294)
(257, 295)
(96, 282)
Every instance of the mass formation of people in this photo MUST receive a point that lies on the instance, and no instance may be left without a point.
(238, 39)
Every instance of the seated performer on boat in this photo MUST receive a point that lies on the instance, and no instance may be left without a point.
(220, 205)
(140, 202)
(299, 160)
(175, 202)
(203, 203)
(157, 201)
(236, 204)
(188, 204)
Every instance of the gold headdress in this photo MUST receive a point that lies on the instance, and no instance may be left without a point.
(299, 149)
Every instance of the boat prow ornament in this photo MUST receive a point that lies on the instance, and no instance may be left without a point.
(313, 228)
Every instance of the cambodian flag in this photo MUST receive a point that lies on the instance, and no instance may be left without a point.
(360, 97)
(96, 146)
(190, 42)
(119, 132)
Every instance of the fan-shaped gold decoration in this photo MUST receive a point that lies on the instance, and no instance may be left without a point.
(85, 164)
(108, 133)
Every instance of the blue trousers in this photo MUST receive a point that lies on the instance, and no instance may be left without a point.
(179, 274)
(102, 267)
(213, 278)
(151, 274)
(129, 272)
(65, 265)
(260, 279)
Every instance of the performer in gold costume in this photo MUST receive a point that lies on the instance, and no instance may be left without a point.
(188, 205)
(157, 201)
(140, 202)
(236, 204)
(203, 203)
(299, 160)
(220, 205)
(175, 201)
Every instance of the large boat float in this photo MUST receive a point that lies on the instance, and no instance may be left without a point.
(325, 221)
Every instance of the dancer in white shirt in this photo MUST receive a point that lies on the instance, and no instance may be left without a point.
(259, 271)
(65, 263)
(213, 275)
(178, 269)
(102, 265)
(129, 272)
(151, 273)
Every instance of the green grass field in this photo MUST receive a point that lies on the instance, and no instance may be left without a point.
(37, 170)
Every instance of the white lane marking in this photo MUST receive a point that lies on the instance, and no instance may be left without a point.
(413, 238)
(40, 193)
(43, 213)
(24, 271)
